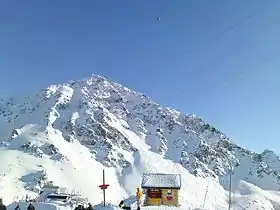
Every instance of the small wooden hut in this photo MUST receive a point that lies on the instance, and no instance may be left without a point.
(161, 189)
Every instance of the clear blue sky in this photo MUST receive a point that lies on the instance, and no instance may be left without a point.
(218, 59)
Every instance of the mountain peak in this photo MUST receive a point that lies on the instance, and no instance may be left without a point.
(118, 126)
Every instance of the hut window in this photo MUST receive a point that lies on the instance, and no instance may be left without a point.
(154, 193)
(169, 192)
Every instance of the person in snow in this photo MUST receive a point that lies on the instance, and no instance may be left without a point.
(31, 207)
(123, 206)
(138, 196)
(17, 208)
(89, 207)
(79, 207)
(2, 206)
(26, 198)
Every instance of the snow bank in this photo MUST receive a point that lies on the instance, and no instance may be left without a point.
(38, 206)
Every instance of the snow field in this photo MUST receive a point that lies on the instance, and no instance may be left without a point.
(78, 171)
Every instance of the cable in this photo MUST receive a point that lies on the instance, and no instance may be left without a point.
(251, 71)
(234, 25)
(238, 23)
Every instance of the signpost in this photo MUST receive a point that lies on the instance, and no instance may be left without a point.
(104, 187)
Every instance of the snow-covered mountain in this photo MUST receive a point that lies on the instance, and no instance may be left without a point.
(67, 133)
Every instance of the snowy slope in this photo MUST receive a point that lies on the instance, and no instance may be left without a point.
(68, 133)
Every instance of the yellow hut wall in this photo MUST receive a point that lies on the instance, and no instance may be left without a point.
(163, 200)
(170, 202)
(153, 201)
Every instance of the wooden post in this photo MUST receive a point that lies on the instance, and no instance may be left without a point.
(104, 187)
(104, 196)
